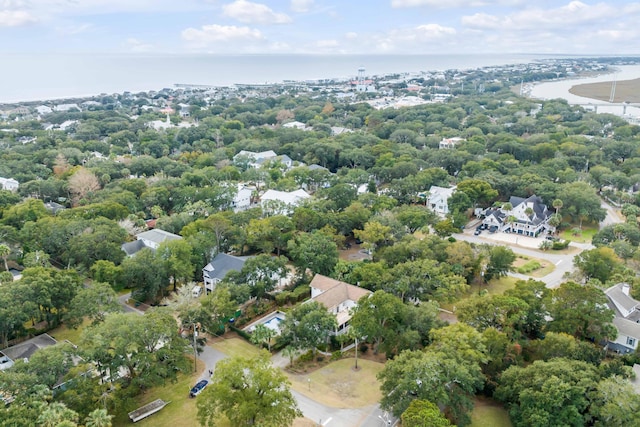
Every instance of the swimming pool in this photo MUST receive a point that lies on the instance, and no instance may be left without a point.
(271, 321)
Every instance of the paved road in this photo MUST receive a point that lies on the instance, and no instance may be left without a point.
(613, 217)
(122, 299)
(563, 262)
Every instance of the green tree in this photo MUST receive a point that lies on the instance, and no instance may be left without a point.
(247, 392)
(504, 313)
(218, 308)
(615, 403)
(422, 413)
(95, 302)
(581, 311)
(147, 349)
(145, 273)
(315, 251)
(5, 251)
(176, 255)
(414, 217)
(553, 393)
(480, 192)
(308, 326)
(261, 335)
(500, 262)
(600, 263)
(580, 200)
(98, 418)
(535, 294)
(379, 317)
(447, 373)
(107, 272)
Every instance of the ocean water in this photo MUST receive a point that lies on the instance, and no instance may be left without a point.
(29, 77)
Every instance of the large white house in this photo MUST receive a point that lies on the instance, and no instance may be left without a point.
(9, 184)
(438, 199)
(528, 217)
(276, 202)
(626, 320)
(338, 297)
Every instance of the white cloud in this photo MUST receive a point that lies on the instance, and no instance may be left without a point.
(135, 45)
(211, 34)
(72, 30)
(351, 35)
(574, 13)
(437, 3)
(15, 18)
(254, 13)
(301, 6)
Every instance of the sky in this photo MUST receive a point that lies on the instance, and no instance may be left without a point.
(320, 26)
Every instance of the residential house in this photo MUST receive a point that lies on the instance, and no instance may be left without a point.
(214, 272)
(24, 350)
(276, 202)
(528, 217)
(242, 200)
(44, 109)
(66, 107)
(296, 125)
(338, 297)
(449, 143)
(438, 199)
(9, 184)
(148, 239)
(54, 207)
(255, 159)
(626, 320)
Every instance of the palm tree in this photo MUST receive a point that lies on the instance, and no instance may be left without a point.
(557, 205)
(98, 418)
(4, 253)
(262, 334)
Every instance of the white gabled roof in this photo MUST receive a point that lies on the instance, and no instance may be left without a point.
(289, 198)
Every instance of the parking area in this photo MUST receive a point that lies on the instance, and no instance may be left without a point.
(507, 238)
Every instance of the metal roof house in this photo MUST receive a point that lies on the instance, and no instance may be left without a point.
(148, 239)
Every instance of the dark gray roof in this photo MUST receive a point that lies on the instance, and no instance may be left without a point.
(26, 349)
(221, 264)
(131, 248)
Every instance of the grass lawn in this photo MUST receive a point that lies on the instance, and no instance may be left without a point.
(181, 412)
(546, 267)
(584, 237)
(489, 413)
(62, 332)
(339, 386)
(234, 347)
(498, 286)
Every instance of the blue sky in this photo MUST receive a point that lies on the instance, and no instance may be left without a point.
(320, 26)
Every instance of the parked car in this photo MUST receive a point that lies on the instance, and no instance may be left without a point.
(477, 232)
(197, 389)
(493, 229)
